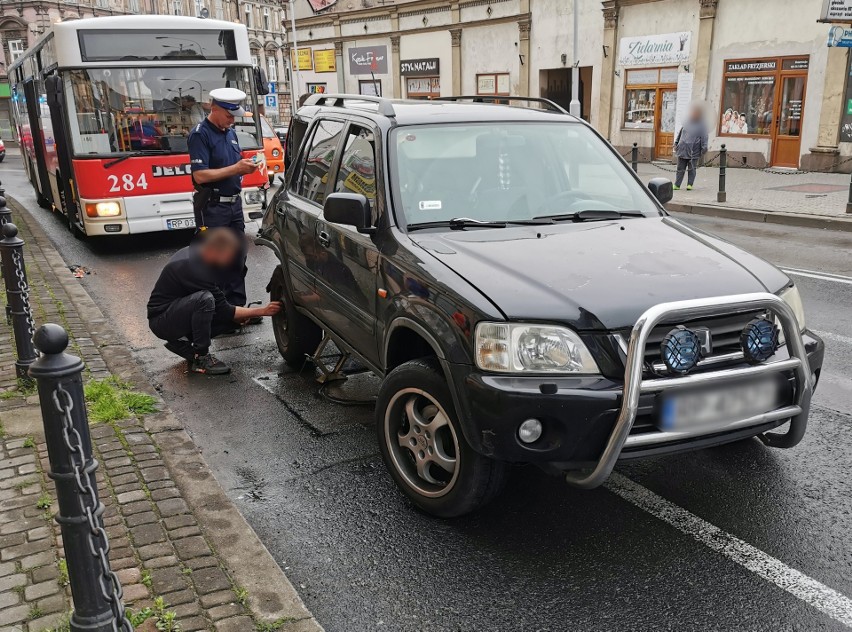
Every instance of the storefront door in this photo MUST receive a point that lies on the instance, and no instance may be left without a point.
(788, 132)
(664, 141)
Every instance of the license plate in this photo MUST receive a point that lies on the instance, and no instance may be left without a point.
(718, 405)
(178, 224)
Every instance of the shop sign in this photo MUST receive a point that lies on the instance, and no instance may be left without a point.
(325, 61)
(316, 88)
(840, 37)
(305, 59)
(321, 5)
(420, 67)
(666, 48)
(365, 60)
(846, 121)
(795, 64)
(764, 65)
(836, 11)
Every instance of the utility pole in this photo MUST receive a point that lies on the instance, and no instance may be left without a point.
(295, 86)
(574, 107)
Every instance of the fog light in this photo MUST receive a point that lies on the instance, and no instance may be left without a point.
(530, 430)
(112, 228)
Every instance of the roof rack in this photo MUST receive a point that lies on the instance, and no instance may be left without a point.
(497, 98)
(385, 108)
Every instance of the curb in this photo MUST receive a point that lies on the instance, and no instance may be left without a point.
(825, 222)
(271, 596)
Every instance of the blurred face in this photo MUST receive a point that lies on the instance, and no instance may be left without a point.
(220, 117)
(696, 114)
(219, 256)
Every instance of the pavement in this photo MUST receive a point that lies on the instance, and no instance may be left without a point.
(788, 197)
(740, 537)
(173, 532)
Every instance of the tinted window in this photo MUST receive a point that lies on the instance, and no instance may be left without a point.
(313, 178)
(357, 172)
(135, 45)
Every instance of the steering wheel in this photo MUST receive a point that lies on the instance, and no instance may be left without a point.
(568, 202)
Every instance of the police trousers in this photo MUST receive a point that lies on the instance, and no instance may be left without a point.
(232, 281)
(192, 317)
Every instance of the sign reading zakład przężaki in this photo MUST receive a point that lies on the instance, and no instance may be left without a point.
(365, 60)
(420, 67)
(666, 48)
(836, 11)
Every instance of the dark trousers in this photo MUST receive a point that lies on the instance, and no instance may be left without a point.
(192, 317)
(682, 165)
(232, 280)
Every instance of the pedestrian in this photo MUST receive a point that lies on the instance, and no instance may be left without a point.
(217, 167)
(690, 146)
(187, 308)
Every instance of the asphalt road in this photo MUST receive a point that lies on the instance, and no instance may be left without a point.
(741, 537)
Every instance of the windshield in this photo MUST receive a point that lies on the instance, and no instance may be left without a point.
(124, 110)
(509, 171)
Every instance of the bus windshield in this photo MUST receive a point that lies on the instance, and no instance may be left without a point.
(124, 110)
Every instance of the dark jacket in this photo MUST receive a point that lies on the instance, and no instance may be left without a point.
(186, 274)
(691, 141)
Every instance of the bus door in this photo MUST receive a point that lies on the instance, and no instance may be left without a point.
(65, 173)
(45, 197)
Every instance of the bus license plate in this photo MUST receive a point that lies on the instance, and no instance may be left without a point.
(178, 224)
(714, 406)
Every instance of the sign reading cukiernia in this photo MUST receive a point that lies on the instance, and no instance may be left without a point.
(666, 48)
(836, 11)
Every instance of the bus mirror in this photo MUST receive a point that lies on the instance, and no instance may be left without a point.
(260, 84)
(53, 89)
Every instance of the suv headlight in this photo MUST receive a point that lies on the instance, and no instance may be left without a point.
(794, 300)
(528, 348)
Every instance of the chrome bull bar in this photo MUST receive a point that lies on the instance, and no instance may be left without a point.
(634, 385)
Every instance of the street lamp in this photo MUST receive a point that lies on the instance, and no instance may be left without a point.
(574, 107)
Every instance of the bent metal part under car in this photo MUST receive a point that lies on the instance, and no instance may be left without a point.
(523, 297)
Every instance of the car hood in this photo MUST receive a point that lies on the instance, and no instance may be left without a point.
(598, 275)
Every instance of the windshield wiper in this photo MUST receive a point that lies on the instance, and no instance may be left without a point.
(460, 223)
(591, 215)
(133, 154)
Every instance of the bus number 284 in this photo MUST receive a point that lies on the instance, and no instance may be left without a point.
(126, 183)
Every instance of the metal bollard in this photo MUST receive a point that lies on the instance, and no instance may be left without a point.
(5, 213)
(634, 157)
(18, 311)
(722, 196)
(95, 588)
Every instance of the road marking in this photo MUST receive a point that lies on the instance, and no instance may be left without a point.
(825, 599)
(824, 276)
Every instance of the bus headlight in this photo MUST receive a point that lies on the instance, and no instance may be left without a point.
(254, 196)
(528, 348)
(103, 209)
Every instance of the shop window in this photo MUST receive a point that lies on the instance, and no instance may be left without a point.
(644, 87)
(423, 87)
(496, 84)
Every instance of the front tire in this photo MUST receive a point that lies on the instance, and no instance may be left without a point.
(295, 334)
(423, 446)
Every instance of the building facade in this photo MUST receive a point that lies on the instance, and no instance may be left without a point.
(775, 92)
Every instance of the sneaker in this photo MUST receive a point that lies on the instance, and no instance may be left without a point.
(689, 187)
(675, 187)
(208, 365)
(183, 348)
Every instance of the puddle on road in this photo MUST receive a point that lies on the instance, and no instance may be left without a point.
(301, 394)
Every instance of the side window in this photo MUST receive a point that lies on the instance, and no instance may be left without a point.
(357, 172)
(313, 176)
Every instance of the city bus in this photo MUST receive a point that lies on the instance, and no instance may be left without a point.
(102, 108)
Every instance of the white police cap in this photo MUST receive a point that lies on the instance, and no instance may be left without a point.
(230, 99)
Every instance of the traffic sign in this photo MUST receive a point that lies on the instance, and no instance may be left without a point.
(271, 87)
(272, 101)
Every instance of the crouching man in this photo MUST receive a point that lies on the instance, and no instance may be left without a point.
(187, 308)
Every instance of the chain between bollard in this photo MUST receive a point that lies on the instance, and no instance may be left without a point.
(18, 311)
(110, 587)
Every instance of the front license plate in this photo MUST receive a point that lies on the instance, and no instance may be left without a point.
(718, 405)
(178, 224)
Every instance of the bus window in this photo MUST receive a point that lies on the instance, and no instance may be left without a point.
(119, 110)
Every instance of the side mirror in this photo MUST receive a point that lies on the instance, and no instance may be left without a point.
(661, 188)
(352, 209)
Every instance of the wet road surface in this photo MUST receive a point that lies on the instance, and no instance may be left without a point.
(740, 537)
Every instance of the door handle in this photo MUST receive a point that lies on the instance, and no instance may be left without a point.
(324, 238)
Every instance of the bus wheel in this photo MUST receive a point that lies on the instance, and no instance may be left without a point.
(43, 202)
(75, 229)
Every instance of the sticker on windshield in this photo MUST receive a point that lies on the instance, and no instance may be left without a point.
(430, 205)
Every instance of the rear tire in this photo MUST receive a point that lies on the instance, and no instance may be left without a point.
(424, 448)
(295, 334)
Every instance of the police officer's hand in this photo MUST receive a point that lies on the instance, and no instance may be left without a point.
(245, 166)
(271, 308)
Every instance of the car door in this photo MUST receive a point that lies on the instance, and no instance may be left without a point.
(303, 206)
(348, 274)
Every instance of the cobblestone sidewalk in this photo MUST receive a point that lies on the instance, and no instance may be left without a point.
(173, 552)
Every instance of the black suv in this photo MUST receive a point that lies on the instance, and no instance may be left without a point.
(523, 296)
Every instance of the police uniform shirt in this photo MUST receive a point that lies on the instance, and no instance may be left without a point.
(211, 148)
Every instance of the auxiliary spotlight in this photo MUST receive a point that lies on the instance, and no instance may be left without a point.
(681, 350)
(759, 340)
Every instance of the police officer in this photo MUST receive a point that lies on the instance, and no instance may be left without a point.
(217, 170)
